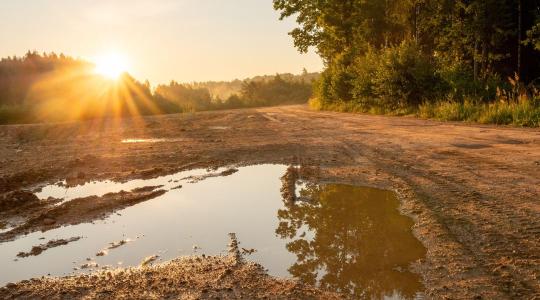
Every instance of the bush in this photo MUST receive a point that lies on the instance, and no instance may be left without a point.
(461, 84)
(365, 69)
(405, 76)
(336, 82)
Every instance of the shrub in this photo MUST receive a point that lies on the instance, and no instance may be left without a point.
(395, 78)
(335, 83)
(406, 76)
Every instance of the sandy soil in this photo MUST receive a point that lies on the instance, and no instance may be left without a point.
(473, 190)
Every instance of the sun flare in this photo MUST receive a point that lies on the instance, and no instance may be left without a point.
(111, 65)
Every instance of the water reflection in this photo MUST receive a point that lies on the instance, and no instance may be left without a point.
(345, 238)
(359, 243)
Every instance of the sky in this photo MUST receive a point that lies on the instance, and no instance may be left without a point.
(162, 40)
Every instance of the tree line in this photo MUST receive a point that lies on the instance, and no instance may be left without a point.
(396, 54)
(55, 87)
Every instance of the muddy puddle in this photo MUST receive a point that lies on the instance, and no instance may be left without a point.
(343, 238)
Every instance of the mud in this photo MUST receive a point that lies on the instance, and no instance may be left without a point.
(37, 250)
(195, 179)
(206, 277)
(474, 195)
(16, 199)
(149, 260)
(111, 246)
(81, 210)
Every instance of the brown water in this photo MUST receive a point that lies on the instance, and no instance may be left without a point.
(343, 238)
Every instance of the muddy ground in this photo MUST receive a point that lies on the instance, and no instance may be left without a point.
(473, 190)
(191, 277)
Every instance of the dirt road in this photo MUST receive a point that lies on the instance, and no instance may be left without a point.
(473, 190)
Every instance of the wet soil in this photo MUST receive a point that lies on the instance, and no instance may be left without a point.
(37, 250)
(206, 277)
(473, 190)
(80, 210)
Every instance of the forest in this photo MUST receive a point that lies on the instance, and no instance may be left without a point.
(473, 60)
(52, 88)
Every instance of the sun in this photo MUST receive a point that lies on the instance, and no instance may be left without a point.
(111, 65)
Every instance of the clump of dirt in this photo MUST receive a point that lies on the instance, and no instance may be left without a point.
(146, 189)
(88, 265)
(17, 199)
(149, 260)
(115, 245)
(18, 206)
(229, 172)
(195, 179)
(192, 277)
(37, 250)
(23, 178)
(82, 210)
(111, 246)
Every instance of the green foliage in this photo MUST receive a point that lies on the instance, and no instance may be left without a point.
(183, 97)
(405, 76)
(436, 58)
(533, 36)
(450, 111)
(393, 77)
(274, 92)
(336, 83)
(525, 113)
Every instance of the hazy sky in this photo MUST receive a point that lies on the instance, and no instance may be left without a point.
(184, 40)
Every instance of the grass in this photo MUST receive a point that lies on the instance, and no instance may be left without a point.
(523, 113)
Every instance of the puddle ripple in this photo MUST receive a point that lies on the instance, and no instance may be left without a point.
(343, 238)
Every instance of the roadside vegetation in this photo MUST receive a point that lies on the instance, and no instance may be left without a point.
(475, 61)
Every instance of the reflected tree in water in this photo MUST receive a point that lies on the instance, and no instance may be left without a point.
(351, 239)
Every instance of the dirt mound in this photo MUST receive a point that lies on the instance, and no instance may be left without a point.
(17, 199)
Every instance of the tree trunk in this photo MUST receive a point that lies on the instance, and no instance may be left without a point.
(475, 60)
(519, 40)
